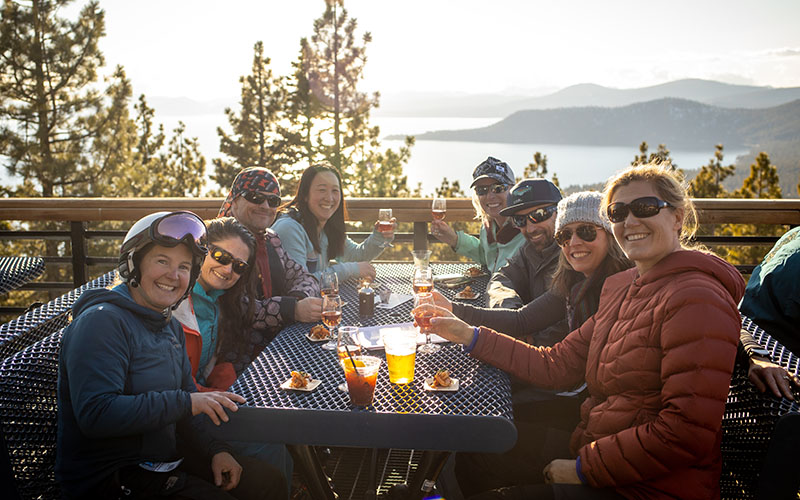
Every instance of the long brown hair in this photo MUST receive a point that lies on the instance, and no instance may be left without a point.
(237, 304)
(334, 227)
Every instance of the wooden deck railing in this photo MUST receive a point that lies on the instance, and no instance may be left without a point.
(80, 212)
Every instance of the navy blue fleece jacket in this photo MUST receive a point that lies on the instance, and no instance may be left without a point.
(124, 384)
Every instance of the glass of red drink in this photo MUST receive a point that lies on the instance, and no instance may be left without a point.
(423, 320)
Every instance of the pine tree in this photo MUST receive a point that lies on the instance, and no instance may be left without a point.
(48, 105)
(536, 169)
(331, 65)
(184, 167)
(661, 155)
(708, 182)
(763, 181)
(257, 139)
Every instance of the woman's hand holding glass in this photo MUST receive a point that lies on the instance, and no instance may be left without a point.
(445, 325)
(442, 301)
(444, 233)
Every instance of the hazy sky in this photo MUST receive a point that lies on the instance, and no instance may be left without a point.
(199, 48)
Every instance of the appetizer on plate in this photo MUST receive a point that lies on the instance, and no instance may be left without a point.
(318, 333)
(474, 272)
(441, 381)
(300, 381)
(466, 293)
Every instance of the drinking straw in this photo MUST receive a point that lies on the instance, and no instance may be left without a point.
(350, 355)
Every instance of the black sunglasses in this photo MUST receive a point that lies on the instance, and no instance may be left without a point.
(224, 257)
(642, 208)
(259, 198)
(586, 232)
(537, 216)
(494, 188)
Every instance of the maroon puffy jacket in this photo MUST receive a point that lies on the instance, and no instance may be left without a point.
(657, 357)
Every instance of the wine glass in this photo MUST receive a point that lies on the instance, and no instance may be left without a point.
(422, 282)
(329, 283)
(439, 208)
(331, 316)
(385, 224)
(423, 319)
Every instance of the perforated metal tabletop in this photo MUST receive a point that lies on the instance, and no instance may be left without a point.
(16, 271)
(478, 417)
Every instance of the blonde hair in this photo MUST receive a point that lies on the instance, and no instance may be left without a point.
(670, 186)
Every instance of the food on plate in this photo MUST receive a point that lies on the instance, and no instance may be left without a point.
(319, 332)
(474, 271)
(466, 293)
(300, 379)
(442, 379)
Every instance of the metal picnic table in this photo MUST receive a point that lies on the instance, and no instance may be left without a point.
(16, 271)
(476, 418)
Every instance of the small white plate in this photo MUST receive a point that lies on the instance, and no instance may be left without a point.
(312, 339)
(310, 387)
(452, 388)
(458, 296)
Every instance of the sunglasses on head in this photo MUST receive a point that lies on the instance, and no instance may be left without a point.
(586, 232)
(258, 198)
(537, 216)
(176, 227)
(494, 188)
(224, 257)
(642, 208)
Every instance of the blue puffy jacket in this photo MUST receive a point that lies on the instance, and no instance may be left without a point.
(124, 385)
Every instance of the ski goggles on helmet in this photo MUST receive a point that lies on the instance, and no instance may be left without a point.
(180, 227)
(641, 208)
(224, 257)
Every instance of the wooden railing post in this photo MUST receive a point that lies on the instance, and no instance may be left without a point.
(80, 251)
(420, 235)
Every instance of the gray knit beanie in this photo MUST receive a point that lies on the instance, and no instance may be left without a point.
(582, 207)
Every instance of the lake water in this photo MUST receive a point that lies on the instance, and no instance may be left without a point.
(431, 161)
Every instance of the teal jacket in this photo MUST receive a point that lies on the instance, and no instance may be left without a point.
(298, 246)
(493, 255)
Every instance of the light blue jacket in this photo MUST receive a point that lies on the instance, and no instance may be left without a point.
(298, 245)
(492, 255)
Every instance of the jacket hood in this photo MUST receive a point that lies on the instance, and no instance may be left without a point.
(119, 296)
(694, 261)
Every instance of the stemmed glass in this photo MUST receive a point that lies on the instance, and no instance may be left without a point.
(329, 283)
(423, 319)
(422, 281)
(385, 224)
(439, 208)
(331, 316)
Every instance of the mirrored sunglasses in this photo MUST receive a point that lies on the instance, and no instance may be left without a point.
(537, 216)
(586, 232)
(642, 208)
(178, 227)
(494, 188)
(224, 257)
(258, 198)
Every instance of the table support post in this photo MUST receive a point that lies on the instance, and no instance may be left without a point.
(319, 484)
(427, 474)
(420, 236)
(80, 250)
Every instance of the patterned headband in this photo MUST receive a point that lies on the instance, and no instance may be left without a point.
(256, 179)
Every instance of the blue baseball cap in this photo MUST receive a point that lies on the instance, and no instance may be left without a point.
(531, 193)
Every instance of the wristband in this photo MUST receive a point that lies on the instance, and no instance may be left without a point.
(578, 470)
(468, 349)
